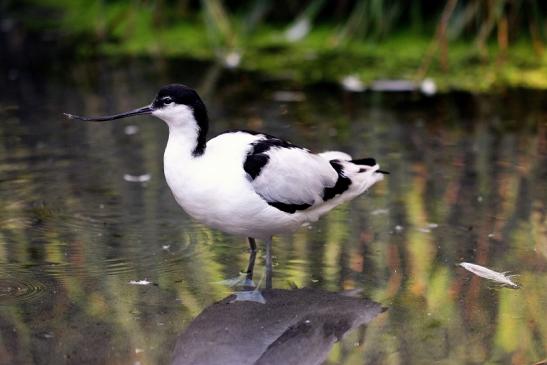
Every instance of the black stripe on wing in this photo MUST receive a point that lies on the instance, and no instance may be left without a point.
(254, 163)
(342, 183)
(257, 158)
(289, 208)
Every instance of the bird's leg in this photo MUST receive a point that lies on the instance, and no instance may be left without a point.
(250, 292)
(268, 244)
(252, 257)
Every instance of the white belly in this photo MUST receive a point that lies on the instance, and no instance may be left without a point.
(229, 208)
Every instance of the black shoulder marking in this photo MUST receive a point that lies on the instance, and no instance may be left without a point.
(365, 161)
(342, 184)
(254, 163)
(268, 140)
(289, 208)
(266, 144)
(254, 133)
(257, 158)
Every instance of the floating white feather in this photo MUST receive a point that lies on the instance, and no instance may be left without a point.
(140, 282)
(483, 272)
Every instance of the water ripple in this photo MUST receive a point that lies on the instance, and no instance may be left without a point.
(20, 288)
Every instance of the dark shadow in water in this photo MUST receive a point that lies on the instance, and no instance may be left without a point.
(293, 327)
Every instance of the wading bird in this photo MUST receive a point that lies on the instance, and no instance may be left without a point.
(248, 183)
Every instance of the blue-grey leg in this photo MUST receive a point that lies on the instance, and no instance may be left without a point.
(252, 257)
(250, 292)
(269, 271)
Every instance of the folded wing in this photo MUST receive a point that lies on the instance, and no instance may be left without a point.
(288, 177)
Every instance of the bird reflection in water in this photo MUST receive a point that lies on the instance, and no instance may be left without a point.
(297, 326)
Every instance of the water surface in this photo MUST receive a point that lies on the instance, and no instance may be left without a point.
(468, 183)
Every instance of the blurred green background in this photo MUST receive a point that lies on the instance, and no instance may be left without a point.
(471, 45)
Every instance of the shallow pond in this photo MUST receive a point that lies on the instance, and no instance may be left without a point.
(467, 184)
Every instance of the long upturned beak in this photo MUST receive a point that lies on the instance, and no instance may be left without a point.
(144, 110)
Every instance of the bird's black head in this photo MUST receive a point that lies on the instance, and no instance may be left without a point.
(178, 105)
(178, 94)
(175, 102)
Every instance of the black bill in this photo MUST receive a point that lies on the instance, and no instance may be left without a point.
(144, 110)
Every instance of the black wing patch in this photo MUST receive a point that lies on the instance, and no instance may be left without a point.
(289, 208)
(254, 163)
(342, 184)
(257, 158)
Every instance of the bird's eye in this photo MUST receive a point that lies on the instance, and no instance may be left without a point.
(167, 100)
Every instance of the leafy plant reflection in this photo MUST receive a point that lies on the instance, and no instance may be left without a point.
(467, 183)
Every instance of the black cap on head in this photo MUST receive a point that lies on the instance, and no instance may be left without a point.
(179, 94)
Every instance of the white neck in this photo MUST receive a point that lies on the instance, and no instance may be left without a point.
(183, 130)
(182, 141)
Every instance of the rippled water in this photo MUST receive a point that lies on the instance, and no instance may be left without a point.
(467, 183)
